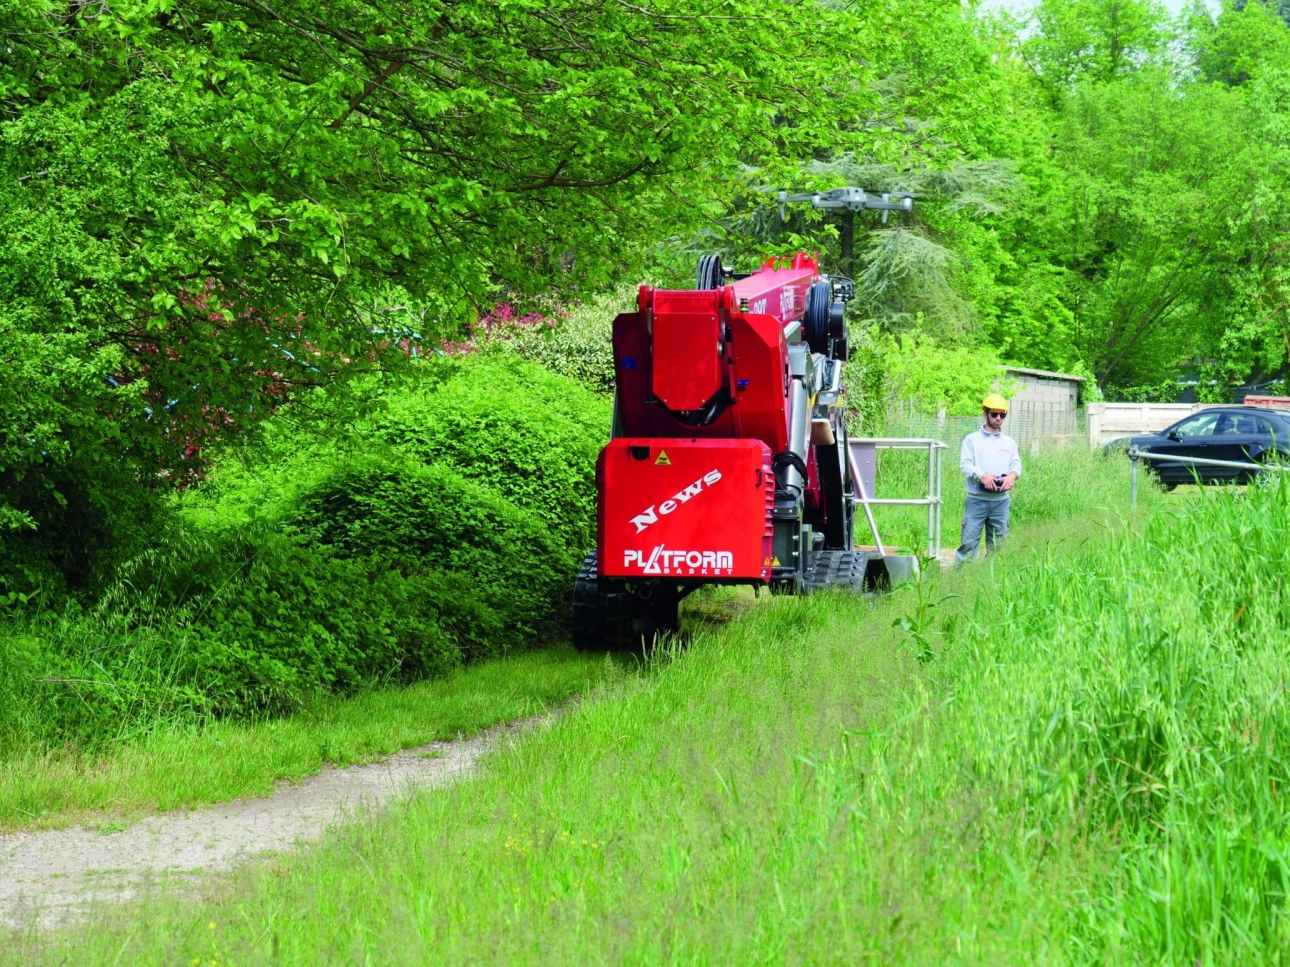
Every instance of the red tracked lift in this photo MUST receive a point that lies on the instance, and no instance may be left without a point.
(728, 463)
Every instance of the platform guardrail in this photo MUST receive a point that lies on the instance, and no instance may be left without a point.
(862, 452)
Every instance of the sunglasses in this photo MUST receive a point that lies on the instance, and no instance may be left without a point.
(995, 413)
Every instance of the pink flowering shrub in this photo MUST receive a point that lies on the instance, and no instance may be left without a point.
(501, 323)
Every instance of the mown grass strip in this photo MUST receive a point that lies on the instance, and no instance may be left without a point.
(197, 765)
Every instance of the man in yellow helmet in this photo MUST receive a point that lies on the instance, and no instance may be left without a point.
(991, 465)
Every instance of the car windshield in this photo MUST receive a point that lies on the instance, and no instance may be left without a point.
(1202, 424)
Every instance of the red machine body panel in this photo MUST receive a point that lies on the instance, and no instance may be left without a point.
(689, 329)
(685, 508)
(730, 338)
(754, 368)
(780, 292)
(761, 381)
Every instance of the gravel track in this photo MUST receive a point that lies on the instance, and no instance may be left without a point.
(49, 878)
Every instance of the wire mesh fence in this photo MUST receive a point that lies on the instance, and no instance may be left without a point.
(1034, 425)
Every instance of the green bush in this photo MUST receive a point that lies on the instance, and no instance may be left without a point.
(528, 434)
(1166, 391)
(865, 379)
(576, 343)
(938, 376)
(268, 621)
(215, 628)
(83, 521)
(69, 680)
(440, 521)
(884, 372)
(427, 520)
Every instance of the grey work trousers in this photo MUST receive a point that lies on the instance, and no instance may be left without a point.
(990, 513)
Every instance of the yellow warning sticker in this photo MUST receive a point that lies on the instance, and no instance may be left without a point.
(766, 563)
(777, 562)
(662, 460)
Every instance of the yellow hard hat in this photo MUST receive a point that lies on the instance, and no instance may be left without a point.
(995, 402)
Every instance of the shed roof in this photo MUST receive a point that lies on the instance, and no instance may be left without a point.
(1045, 374)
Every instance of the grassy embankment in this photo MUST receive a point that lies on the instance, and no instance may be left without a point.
(163, 763)
(195, 764)
(1069, 754)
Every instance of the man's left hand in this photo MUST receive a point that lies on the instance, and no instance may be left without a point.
(1006, 482)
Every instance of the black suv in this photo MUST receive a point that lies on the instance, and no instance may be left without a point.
(1239, 433)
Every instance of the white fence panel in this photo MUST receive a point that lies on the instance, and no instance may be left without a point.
(1111, 421)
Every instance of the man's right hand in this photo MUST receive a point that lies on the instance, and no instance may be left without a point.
(988, 481)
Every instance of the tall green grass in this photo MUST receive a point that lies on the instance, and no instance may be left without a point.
(1127, 702)
(828, 780)
(1055, 483)
(1135, 697)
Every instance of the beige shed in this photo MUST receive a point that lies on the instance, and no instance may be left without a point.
(1045, 405)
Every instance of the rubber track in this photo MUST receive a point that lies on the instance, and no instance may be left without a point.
(601, 619)
(836, 569)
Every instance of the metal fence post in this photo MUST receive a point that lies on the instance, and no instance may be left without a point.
(1133, 482)
(938, 500)
(931, 507)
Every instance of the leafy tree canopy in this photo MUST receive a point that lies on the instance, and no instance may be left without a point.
(209, 204)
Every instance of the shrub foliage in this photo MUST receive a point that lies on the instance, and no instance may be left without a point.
(444, 525)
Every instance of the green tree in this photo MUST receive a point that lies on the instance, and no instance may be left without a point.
(1094, 40)
(1280, 7)
(1256, 333)
(937, 105)
(1155, 174)
(207, 205)
(1240, 44)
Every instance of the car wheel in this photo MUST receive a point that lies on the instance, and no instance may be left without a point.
(1267, 478)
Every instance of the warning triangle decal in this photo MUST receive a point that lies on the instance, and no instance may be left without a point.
(662, 460)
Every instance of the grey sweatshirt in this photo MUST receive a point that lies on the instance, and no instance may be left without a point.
(992, 453)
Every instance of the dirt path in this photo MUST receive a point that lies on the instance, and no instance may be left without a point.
(47, 878)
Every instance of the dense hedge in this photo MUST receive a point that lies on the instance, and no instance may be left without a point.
(441, 524)
(528, 433)
(428, 520)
